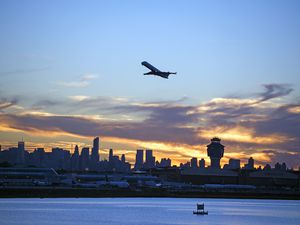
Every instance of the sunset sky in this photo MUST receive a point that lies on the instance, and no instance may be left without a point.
(71, 70)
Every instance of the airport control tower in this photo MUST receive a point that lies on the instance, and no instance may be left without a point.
(215, 151)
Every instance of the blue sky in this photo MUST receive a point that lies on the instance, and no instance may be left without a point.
(55, 50)
(213, 45)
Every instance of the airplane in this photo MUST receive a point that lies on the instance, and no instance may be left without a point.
(156, 72)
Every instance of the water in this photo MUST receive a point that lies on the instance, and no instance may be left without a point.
(146, 211)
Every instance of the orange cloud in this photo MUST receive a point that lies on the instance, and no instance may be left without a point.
(242, 134)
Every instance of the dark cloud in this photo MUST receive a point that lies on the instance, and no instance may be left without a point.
(282, 122)
(143, 131)
(275, 91)
(168, 121)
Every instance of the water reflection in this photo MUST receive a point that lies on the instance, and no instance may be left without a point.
(147, 211)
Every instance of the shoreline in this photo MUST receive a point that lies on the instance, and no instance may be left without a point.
(59, 192)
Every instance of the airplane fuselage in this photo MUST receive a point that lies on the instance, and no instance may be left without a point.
(161, 74)
(156, 72)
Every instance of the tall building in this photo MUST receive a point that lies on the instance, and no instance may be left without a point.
(194, 163)
(150, 159)
(234, 164)
(250, 164)
(202, 163)
(111, 155)
(38, 157)
(21, 152)
(95, 150)
(139, 159)
(75, 159)
(123, 160)
(215, 150)
(84, 158)
(76, 150)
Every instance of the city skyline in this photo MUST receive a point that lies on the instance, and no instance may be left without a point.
(72, 71)
(143, 159)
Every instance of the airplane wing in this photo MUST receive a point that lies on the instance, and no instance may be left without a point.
(150, 67)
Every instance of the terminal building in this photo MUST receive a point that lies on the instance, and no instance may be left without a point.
(28, 176)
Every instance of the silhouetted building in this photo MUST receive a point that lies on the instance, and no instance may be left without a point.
(202, 163)
(38, 157)
(150, 159)
(209, 176)
(75, 159)
(59, 159)
(279, 166)
(215, 150)
(95, 150)
(139, 159)
(283, 167)
(250, 164)
(123, 160)
(21, 152)
(267, 167)
(164, 163)
(84, 158)
(234, 164)
(194, 162)
(111, 155)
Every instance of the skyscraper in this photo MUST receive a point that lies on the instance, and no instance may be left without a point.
(75, 159)
(84, 158)
(95, 150)
(202, 163)
(194, 162)
(123, 160)
(139, 159)
(215, 150)
(21, 152)
(150, 160)
(111, 155)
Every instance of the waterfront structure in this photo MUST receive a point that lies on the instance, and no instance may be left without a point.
(215, 150)
(28, 176)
